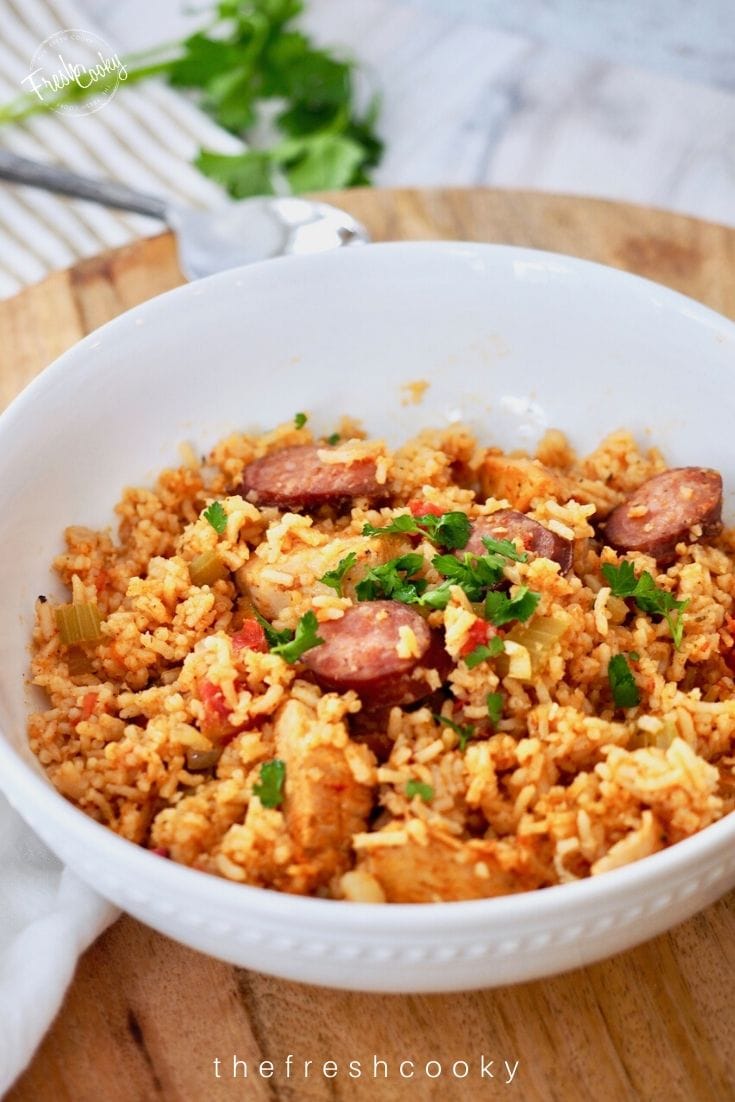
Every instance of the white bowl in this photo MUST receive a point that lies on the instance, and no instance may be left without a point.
(511, 341)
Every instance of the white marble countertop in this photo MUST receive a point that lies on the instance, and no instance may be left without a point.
(629, 100)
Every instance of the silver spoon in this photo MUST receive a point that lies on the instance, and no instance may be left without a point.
(208, 240)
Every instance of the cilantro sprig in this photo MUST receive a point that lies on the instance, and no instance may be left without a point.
(418, 788)
(216, 516)
(269, 786)
(299, 420)
(647, 595)
(248, 57)
(451, 530)
(335, 578)
(622, 683)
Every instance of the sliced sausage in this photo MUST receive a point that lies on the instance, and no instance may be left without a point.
(296, 478)
(509, 524)
(360, 652)
(662, 512)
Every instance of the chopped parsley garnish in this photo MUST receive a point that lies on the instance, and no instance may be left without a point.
(501, 609)
(300, 420)
(504, 547)
(647, 595)
(395, 580)
(438, 597)
(306, 637)
(451, 530)
(418, 788)
(334, 578)
(334, 439)
(494, 707)
(216, 516)
(272, 637)
(622, 683)
(465, 732)
(491, 649)
(474, 575)
(269, 787)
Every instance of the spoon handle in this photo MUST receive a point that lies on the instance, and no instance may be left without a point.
(21, 170)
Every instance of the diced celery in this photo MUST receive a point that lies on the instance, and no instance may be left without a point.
(537, 639)
(207, 568)
(78, 622)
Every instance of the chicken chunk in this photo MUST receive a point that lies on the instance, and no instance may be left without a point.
(449, 869)
(325, 803)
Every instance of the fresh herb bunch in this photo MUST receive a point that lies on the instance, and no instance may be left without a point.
(248, 58)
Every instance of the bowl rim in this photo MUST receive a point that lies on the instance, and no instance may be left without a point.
(22, 783)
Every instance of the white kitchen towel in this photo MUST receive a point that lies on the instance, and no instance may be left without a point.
(47, 918)
(142, 137)
(145, 139)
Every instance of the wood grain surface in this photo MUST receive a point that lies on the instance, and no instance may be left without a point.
(146, 1018)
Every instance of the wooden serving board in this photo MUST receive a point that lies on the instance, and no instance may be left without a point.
(145, 1017)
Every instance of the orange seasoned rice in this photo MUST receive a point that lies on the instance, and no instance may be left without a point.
(161, 728)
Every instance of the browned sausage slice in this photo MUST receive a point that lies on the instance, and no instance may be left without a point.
(662, 512)
(361, 652)
(509, 524)
(296, 478)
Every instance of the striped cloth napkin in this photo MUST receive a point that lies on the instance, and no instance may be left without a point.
(145, 138)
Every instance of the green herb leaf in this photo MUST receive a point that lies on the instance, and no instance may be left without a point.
(241, 174)
(333, 439)
(300, 420)
(418, 788)
(484, 651)
(647, 595)
(494, 707)
(269, 787)
(501, 609)
(404, 523)
(247, 58)
(504, 547)
(306, 637)
(438, 597)
(334, 578)
(451, 530)
(395, 580)
(272, 637)
(622, 683)
(465, 733)
(474, 575)
(216, 516)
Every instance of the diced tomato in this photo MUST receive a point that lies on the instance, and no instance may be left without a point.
(213, 700)
(161, 851)
(89, 703)
(101, 580)
(420, 508)
(478, 634)
(250, 637)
